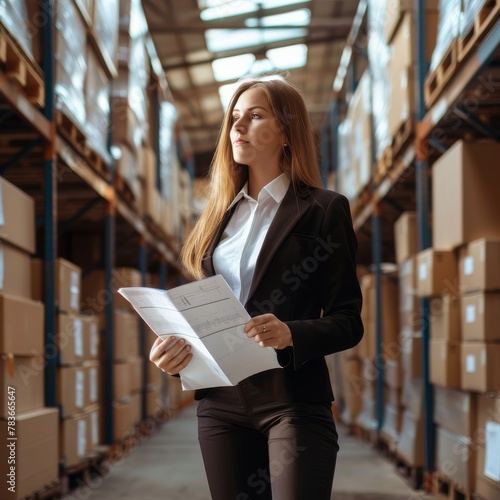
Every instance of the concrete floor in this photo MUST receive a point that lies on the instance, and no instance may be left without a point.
(168, 466)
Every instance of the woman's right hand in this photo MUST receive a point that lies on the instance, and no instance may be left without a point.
(170, 355)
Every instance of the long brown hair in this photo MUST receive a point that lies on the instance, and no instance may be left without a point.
(298, 161)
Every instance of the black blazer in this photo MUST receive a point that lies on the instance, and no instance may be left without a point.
(305, 275)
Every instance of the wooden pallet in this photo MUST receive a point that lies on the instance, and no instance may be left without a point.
(437, 80)
(403, 136)
(362, 200)
(20, 69)
(413, 474)
(97, 162)
(445, 489)
(50, 491)
(485, 19)
(124, 191)
(70, 131)
(384, 164)
(367, 435)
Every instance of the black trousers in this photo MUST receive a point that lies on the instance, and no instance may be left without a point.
(255, 449)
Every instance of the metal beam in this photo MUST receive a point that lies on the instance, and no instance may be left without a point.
(473, 121)
(258, 49)
(314, 25)
(67, 224)
(25, 151)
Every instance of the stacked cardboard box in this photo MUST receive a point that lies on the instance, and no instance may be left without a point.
(70, 61)
(129, 104)
(22, 353)
(127, 360)
(487, 440)
(409, 358)
(371, 363)
(399, 24)
(465, 344)
(76, 345)
(354, 170)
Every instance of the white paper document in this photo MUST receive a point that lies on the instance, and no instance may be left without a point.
(210, 318)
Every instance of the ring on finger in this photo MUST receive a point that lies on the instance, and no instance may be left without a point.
(263, 327)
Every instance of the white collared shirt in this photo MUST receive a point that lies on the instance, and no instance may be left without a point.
(236, 254)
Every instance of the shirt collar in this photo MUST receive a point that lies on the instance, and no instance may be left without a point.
(276, 189)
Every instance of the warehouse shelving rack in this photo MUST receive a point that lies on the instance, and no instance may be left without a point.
(468, 107)
(71, 195)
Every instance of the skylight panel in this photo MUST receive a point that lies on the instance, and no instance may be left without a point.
(220, 40)
(293, 56)
(229, 68)
(299, 17)
(212, 10)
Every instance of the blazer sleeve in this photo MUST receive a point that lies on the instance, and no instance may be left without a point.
(340, 326)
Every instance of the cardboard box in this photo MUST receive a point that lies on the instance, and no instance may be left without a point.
(394, 397)
(406, 236)
(479, 266)
(126, 335)
(412, 397)
(456, 458)
(480, 314)
(465, 194)
(393, 373)
(488, 410)
(136, 366)
(351, 388)
(148, 167)
(71, 390)
(437, 272)
(93, 427)
(445, 363)
(90, 337)
(411, 441)
(37, 452)
(21, 326)
(397, 10)
(92, 382)
(67, 284)
(444, 317)
(480, 369)
(15, 271)
(154, 404)
(95, 294)
(17, 212)
(70, 339)
(26, 375)
(411, 354)
(73, 439)
(121, 381)
(487, 487)
(391, 427)
(456, 411)
(409, 302)
(125, 415)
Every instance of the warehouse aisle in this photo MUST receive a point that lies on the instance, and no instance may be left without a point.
(168, 466)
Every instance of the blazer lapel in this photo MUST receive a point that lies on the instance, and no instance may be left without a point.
(290, 211)
(207, 263)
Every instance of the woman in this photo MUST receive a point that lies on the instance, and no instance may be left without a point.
(287, 249)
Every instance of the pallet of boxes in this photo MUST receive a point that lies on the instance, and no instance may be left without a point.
(410, 447)
(372, 364)
(75, 344)
(465, 314)
(127, 362)
(29, 431)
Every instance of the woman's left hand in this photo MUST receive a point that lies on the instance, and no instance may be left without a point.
(268, 331)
